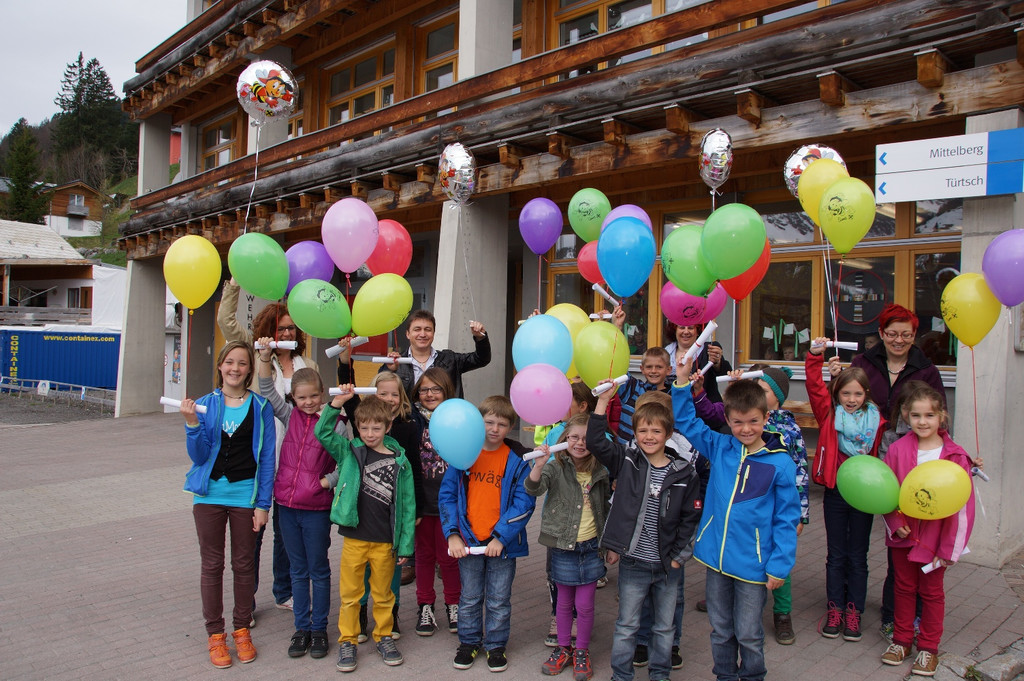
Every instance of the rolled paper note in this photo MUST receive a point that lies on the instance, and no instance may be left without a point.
(980, 473)
(520, 322)
(473, 550)
(358, 391)
(929, 567)
(706, 368)
(538, 453)
(279, 345)
(171, 402)
(388, 360)
(701, 340)
(604, 294)
(605, 387)
(336, 350)
(745, 374)
(839, 345)
(601, 315)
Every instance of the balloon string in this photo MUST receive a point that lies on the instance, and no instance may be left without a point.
(835, 304)
(974, 382)
(188, 349)
(540, 266)
(255, 174)
(465, 263)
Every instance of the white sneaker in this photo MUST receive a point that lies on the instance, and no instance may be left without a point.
(287, 605)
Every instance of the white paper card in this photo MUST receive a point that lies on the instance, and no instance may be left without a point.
(769, 332)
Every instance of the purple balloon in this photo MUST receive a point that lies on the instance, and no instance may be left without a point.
(308, 260)
(1003, 267)
(540, 223)
(628, 211)
(689, 310)
(541, 394)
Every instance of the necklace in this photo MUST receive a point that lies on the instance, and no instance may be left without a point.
(232, 396)
(897, 372)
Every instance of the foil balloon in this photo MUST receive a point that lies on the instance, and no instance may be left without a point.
(457, 172)
(715, 158)
(801, 158)
(267, 90)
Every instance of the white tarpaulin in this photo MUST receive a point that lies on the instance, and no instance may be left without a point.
(108, 296)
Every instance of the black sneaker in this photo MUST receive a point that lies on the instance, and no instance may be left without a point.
(426, 624)
(465, 655)
(318, 646)
(299, 645)
(452, 611)
(677, 659)
(496, 660)
(362, 624)
(833, 622)
(395, 633)
(388, 651)
(347, 657)
(640, 656)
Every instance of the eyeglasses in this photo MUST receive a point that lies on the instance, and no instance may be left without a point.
(893, 335)
(282, 329)
(431, 390)
(575, 438)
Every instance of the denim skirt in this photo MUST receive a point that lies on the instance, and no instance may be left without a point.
(581, 565)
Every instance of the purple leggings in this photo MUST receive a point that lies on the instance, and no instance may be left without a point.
(582, 598)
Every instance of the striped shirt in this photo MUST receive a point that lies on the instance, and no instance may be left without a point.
(647, 545)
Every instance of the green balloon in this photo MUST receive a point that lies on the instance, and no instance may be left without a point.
(259, 265)
(868, 485)
(587, 210)
(733, 240)
(683, 263)
(381, 305)
(319, 309)
(600, 352)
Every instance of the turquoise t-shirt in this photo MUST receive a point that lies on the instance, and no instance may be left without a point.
(221, 492)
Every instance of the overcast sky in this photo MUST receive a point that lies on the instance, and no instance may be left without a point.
(42, 36)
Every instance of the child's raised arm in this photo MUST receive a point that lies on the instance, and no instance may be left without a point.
(705, 440)
(336, 444)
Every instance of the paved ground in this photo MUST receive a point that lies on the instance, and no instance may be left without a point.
(99, 579)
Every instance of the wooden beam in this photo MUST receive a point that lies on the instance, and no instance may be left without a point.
(511, 155)
(832, 88)
(199, 61)
(360, 189)
(678, 119)
(394, 181)
(560, 144)
(250, 29)
(615, 131)
(932, 67)
(426, 173)
(171, 77)
(214, 50)
(271, 17)
(1019, 33)
(333, 194)
(749, 105)
(232, 39)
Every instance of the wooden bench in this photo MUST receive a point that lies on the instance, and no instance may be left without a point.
(802, 413)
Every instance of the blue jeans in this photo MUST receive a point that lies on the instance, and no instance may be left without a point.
(734, 610)
(307, 536)
(848, 535)
(486, 583)
(643, 635)
(282, 588)
(637, 579)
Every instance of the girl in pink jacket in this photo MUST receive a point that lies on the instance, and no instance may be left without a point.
(920, 545)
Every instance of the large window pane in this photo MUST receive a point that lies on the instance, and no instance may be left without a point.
(365, 72)
(635, 329)
(945, 215)
(580, 28)
(932, 271)
(787, 223)
(570, 287)
(364, 103)
(673, 220)
(780, 312)
(440, 41)
(442, 76)
(341, 82)
(567, 246)
(860, 292)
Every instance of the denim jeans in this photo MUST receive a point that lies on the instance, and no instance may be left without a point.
(486, 583)
(637, 579)
(307, 537)
(282, 587)
(734, 610)
(848, 534)
(643, 635)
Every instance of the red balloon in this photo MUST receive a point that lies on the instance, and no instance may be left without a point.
(739, 287)
(393, 253)
(586, 261)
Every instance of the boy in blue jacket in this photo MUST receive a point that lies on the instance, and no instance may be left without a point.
(488, 507)
(747, 537)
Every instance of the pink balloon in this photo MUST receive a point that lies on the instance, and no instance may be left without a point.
(628, 210)
(349, 233)
(541, 394)
(688, 310)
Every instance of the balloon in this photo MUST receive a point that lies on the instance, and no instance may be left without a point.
(798, 161)
(715, 158)
(575, 319)
(733, 239)
(686, 309)
(308, 260)
(627, 211)
(457, 172)
(192, 270)
(542, 339)
(393, 252)
(259, 265)
(683, 261)
(587, 210)
(625, 255)
(934, 490)
(740, 287)
(381, 305)
(969, 308)
(350, 233)
(846, 213)
(265, 89)
(818, 177)
(457, 432)
(540, 394)
(540, 223)
(586, 262)
(319, 309)
(867, 484)
(600, 352)
(1003, 265)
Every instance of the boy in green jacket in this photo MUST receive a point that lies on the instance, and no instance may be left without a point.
(375, 510)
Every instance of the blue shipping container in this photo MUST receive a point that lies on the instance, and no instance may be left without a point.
(84, 358)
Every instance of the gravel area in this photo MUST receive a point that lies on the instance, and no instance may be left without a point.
(27, 409)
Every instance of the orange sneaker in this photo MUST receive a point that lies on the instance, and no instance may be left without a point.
(243, 645)
(220, 656)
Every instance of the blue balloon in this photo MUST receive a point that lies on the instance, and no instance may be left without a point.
(457, 432)
(625, 255)
(542, 339)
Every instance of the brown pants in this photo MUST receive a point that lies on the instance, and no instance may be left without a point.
(212, 522)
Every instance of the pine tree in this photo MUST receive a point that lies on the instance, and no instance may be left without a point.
(26, 200)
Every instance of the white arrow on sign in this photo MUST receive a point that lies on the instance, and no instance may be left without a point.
(938, 152)
(931, 184)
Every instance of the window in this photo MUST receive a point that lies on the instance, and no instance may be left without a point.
(217, 142)
(74, 297)
(577, 21)
(76, 223)
(361, 85)
(438, 56)
(861, 287)
(76, 200)
(296, 122)
(780, 311)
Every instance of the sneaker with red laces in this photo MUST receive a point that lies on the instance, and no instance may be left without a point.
(833, 622)
(243, 645)
(220, 656)
(581, 669)
(851, 623)
(561, 657)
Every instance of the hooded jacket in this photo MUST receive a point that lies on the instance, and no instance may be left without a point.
(563, 506)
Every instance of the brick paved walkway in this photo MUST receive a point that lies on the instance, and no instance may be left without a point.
(99, 579)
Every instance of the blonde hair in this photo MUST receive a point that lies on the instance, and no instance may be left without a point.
(589, 463)
(404, 405)
(218, 379)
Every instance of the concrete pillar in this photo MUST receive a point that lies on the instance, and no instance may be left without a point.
(198, 351)
(193, 8)
(140, 366)
(189, 165)
(485, 36)
(154, 153)
(472, 272)
(274, 130)
(1000, 379)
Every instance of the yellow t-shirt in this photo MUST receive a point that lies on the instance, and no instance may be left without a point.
(483, 494)
(588, 528)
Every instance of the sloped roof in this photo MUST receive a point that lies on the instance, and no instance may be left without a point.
(22, 243)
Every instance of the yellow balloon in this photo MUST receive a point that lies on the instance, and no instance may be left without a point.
(846, 213)
(818, 177)
(934, 490)
(601, 352)
(192, 269)
(969, 307)
(575, 319)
